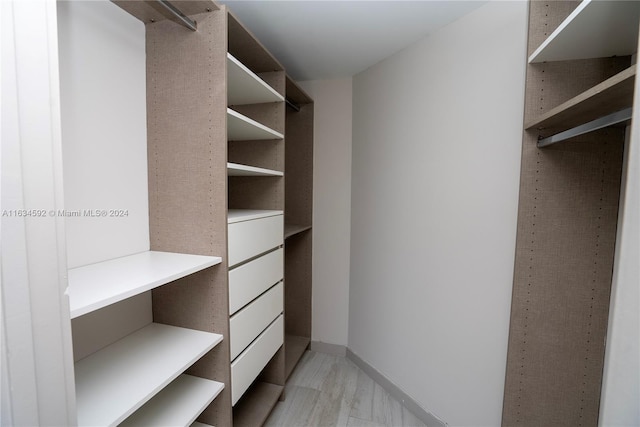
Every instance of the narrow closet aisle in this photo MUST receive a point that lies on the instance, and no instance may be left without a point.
(328, 390)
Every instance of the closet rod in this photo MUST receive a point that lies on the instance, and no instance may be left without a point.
(292, 104)
(180, 17)
(602, 122)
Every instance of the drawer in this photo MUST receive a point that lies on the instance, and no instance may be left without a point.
(249, 322)
(253, 278)
(250, 238)
(248, 365)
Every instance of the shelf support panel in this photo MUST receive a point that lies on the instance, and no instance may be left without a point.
(602, 122)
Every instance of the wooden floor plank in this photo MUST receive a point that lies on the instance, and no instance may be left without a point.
(328, 390)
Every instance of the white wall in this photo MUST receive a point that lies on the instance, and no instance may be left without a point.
(621, 381)
(437, 130)
(331, 208)
(104, 129)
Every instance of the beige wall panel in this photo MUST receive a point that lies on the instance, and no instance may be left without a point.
(256, 193)
(297, 284)
(263, 154)
(186, 105)
(567, 218)
(299, 166)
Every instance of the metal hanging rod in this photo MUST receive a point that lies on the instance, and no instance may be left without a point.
(292, 104)
(602, 122)
(176, 15)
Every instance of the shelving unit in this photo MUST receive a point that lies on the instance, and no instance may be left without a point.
(298, 224)
(97, 285)
(178, 404)
(234, 169)
(568, 208)
(255, 218)
(146, 327)
(141, 364)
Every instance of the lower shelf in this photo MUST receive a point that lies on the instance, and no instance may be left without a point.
(294, 348)
(114, 382)
(256, 404)
(293, 229)
(178, 404)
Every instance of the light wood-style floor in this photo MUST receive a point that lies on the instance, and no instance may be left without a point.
(327, 390)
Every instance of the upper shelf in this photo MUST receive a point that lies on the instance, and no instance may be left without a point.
(235, 169)
(242, 128)
(614, 94)
(595, 29)
(245, 87)
(114, 382)
(97, 285)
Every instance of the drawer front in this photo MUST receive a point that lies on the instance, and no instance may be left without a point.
(248, 365)
(249, 322)
(250, 238)
(253, 278)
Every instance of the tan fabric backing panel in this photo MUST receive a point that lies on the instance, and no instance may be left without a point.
(297, 279)
(263, 154)
(274, 371)
(256, 192)
(269, 114)
(299, 164)
(567, 219)
(248, 50)
(186, 109)
(275, 80)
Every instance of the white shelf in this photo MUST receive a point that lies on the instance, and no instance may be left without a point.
(235, 169)
(242, 128)
(595, 29)
(97, 285)
(244, 87)
(178, 404)
(239, 215)
(114, 382)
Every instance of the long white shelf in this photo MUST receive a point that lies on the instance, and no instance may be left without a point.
(97, 285)
(245, 87)
(235, 169)
(595, 29)
(114, 382)
(178, 404)
(242, 128)
(239, 215)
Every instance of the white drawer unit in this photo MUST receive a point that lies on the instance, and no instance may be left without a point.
(249, 322)
(248, 365)
(251, 237)
(248, 281)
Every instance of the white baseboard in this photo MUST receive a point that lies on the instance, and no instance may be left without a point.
(407, 401)
(333, 349)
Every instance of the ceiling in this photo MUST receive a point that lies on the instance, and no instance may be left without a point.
(331, 39)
